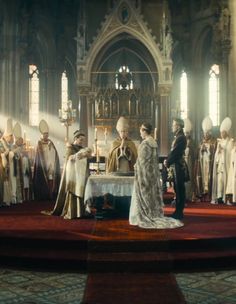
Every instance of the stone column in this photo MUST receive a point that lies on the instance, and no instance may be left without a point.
(163, 132)
(14, 47)
(156, 116)
(51, 85)
(3, 84)
(85, 111)
(24, 89)
(232, 67)
(8, 70)
(224, 79)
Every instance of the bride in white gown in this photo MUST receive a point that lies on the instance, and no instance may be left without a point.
(146, 209)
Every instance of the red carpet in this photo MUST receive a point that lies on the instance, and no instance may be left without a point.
(125, 264)
(26, 233)
(208, 235)
(127, 288)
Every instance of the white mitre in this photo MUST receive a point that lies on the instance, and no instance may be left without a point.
(187, 125)
(17, 131)
(226, 125)
(122, 124)
(207, 124)
(43, 126)
(9, 128)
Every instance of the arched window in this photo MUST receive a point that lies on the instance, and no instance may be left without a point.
(124, 79)
(64, 90)
(214, 95)
(183, 95)
(33, 95)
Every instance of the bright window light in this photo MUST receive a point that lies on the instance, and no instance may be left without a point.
(214, 95)
(183, 95)
(64, 90)
(33, 95)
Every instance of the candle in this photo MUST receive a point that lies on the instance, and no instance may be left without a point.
(105, 135)
(97, 157)
(95, 133)
(94, 150)
(155, 133)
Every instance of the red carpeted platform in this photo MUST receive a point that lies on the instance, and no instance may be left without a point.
(124, 263)
(207, 239)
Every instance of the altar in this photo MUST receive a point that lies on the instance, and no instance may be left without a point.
(119, 188)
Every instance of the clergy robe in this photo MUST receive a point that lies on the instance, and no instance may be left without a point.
(231, 183)
(69, 203)
(204, 167)
(221, 168)
(46, 175)
(121, 159)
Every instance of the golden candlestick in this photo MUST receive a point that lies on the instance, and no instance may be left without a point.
(67, 117)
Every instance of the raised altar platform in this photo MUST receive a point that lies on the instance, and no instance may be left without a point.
(207, 240)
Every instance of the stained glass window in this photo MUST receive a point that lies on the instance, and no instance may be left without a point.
(214, 95)
(64, 89)
(183, 95)
(124, 79)
(33, 95)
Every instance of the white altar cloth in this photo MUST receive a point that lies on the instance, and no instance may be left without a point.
(98, 185)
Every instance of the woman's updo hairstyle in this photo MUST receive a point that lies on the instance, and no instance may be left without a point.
(147, 127)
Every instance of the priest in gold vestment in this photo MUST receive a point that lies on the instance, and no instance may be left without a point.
(123, 153)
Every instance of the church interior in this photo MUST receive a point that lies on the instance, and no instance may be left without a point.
(69, 65)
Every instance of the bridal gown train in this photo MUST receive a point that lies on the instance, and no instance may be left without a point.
(146, 209)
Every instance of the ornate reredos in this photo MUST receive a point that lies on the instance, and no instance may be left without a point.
(123, 19)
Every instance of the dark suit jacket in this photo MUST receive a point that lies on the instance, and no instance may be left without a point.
(175, 158)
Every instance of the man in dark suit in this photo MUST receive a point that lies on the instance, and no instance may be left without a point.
(176, 163)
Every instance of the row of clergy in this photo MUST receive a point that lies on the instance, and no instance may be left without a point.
(212, 172)
(17, 182)
(20, 182)
(212, 166)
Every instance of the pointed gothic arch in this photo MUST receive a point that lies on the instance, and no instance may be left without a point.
(112, 28)
(125, 21)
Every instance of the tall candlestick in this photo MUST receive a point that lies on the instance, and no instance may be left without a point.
(67, 117)
(97, 156)
(105, 136)
(95, 133)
